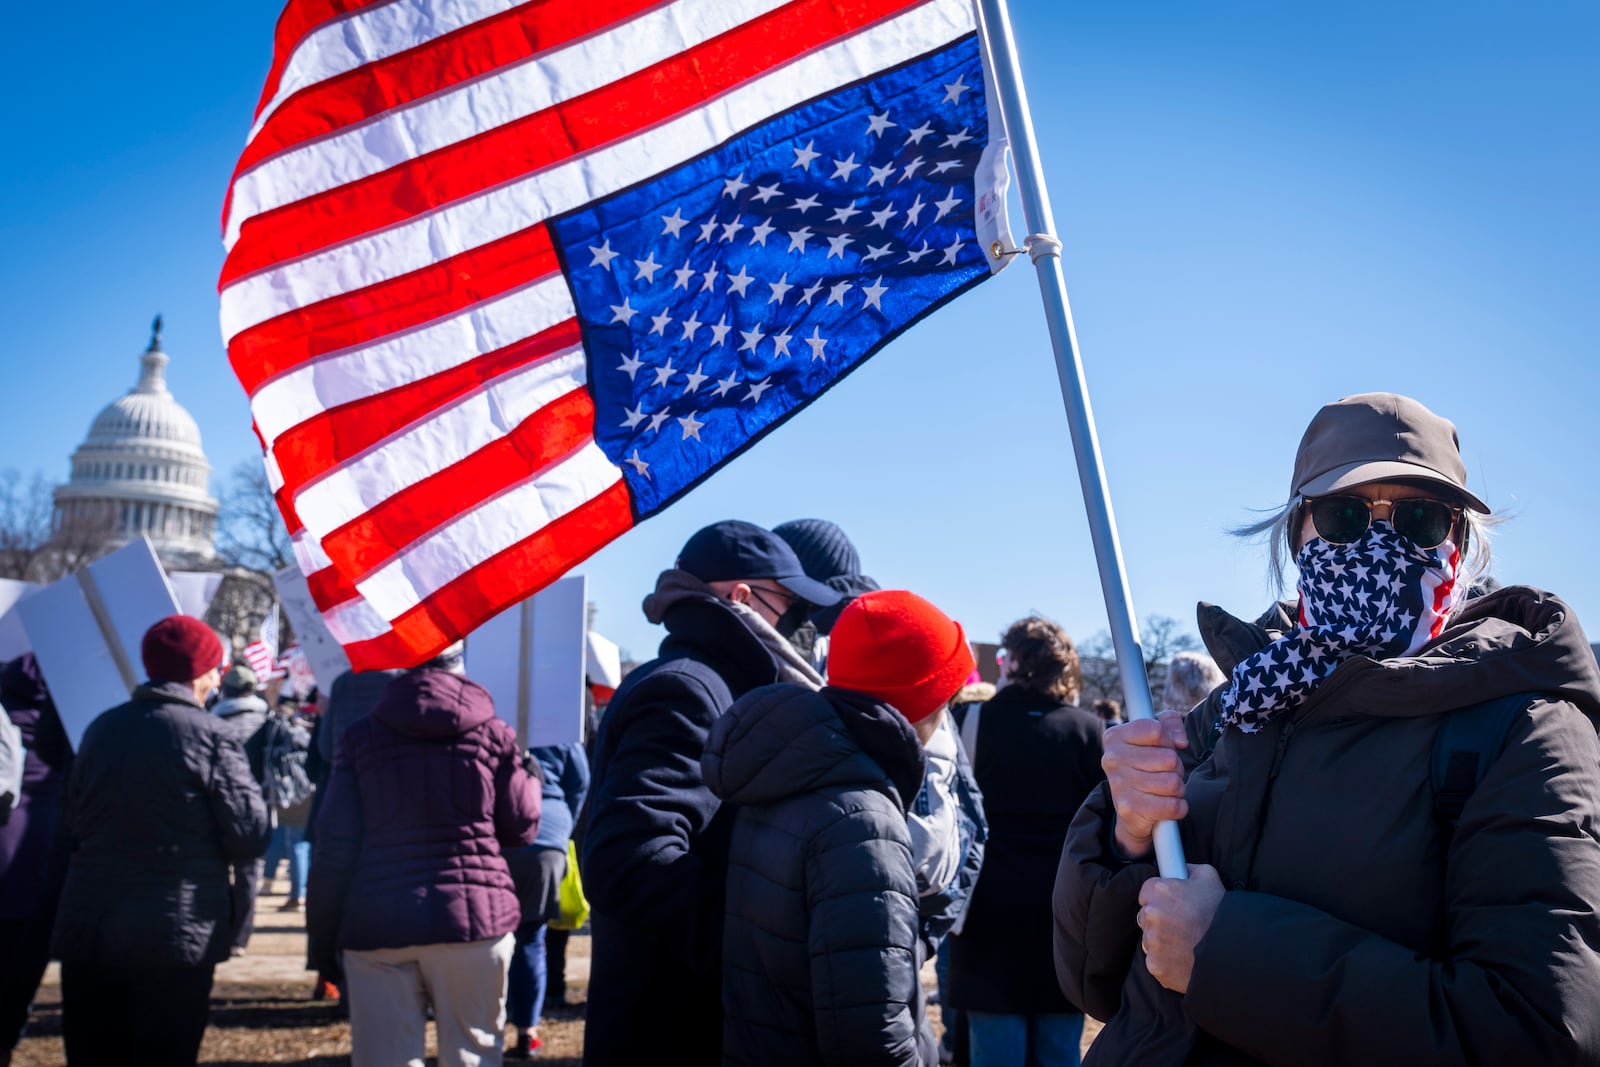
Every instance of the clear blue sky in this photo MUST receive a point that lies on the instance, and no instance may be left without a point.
(1265, 206)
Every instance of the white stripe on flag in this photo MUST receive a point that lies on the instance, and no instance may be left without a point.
(355, 620)
(343, 44)
(463, 112)
(308, 554)
(494, 526)
(445, 438)
(477, 220)
(399, 359)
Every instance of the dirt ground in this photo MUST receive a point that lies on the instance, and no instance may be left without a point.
(262, 1011)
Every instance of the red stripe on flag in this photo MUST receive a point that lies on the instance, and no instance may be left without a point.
(337, 434)
(543, 439)
(432, 67)
(329, 588)
(497, 583)
(298, 21)
(582, 124)
(383, 308)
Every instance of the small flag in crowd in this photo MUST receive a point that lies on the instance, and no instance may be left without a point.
(262, 655)
(259, 658)
(504, 280)
(269, 630)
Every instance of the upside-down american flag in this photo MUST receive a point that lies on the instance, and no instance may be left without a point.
(505, 279)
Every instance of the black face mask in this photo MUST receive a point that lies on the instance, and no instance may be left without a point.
(793, 618)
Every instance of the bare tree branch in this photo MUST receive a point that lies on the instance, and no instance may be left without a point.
(1097, 664)
(250, 530)
(37, 544)
(27, 511)
(1161, 637)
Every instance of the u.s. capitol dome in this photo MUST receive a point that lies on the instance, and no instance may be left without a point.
(142, 471)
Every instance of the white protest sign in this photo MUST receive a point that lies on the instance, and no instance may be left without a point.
(195, 590)
(603, 663)
(324, 654)
(13, 638)
(86, 630)
(531, 659)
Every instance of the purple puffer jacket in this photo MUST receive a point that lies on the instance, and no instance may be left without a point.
(424, 795)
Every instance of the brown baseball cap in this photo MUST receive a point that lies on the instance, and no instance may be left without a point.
(1376, 437)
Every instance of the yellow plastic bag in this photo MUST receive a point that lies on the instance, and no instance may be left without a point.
(574, 905)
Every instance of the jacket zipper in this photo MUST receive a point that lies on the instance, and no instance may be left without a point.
(1266, 804)
(1277, 756)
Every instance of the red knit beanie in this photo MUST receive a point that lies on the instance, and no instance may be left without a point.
(180, 648)
(897, 647)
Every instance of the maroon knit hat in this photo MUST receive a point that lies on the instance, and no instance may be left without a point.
(896, 646)
(180, 648)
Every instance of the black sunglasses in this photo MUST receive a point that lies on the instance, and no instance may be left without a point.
(1340, 520)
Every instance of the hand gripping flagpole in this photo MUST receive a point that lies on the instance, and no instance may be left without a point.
(1045, 250)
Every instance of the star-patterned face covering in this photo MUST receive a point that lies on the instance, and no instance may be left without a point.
(1379, 596)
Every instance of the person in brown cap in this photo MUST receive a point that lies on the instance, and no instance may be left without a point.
(1390, 808)
(160, 801)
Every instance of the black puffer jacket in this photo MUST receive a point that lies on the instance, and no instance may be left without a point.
(654, 846)
(820, 950)
(160, 801)
(1357, 928)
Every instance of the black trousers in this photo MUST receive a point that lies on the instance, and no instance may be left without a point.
(151, 1016)
(244, 883)
(24, 954)
(555, 962)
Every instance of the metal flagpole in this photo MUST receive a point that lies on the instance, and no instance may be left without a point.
(1045, 250)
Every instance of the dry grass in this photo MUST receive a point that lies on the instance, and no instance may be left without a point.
(262, 1011)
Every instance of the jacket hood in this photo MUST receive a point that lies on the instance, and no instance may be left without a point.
(1514, 640)
(783, 740)
(703, 627)
(228, 707)
(164, 692)
(433, 704)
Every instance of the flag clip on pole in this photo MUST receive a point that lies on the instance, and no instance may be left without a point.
(1044, 248)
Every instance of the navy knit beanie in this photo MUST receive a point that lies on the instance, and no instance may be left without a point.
(824, 551)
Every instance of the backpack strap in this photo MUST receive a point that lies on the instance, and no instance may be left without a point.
(1466, 745)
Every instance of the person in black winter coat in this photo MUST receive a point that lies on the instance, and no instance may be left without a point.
(161, 800)
(654, 850)
(1352, 897)
(242, 708)
(947, 821)
(821, 950)
(1036, 757)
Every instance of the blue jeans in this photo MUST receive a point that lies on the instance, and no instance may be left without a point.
(525, 986)
(1025, 1040)
(289, 842)
(954, 1040)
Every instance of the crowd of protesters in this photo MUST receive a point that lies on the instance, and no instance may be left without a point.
(1388, 791)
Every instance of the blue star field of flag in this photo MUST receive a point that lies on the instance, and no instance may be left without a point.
(720, 297)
